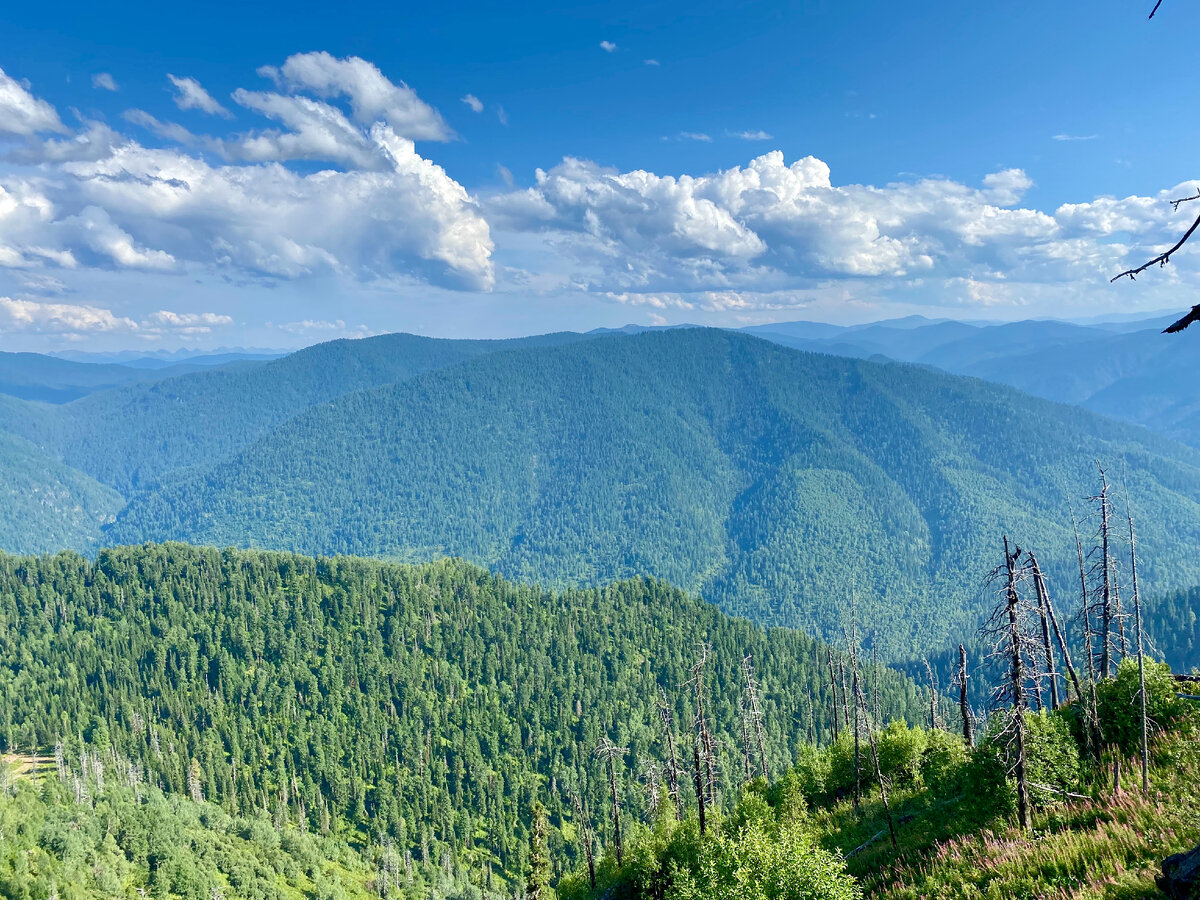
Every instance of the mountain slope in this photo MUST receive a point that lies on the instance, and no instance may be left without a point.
(779, 483)
(133, 436)
(44, 505)
(1129, 371)
(429, 705)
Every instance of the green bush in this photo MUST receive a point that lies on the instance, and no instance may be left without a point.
(1119, 706)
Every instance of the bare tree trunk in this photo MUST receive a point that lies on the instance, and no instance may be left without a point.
(698, 780)
(1017, 675)
(1120, 619)
(933, 697)
(1039, 590)
(860, 705)
(585, 829)
(1106, 609)
(707, 744)
(1137, 621)
(673, 765)
(833, 692)
(1039, 582)
(756, 714)
(857, 745)
(845, 694)
(609, 752)
(745, 744)
(1090, 715)
(964, 707)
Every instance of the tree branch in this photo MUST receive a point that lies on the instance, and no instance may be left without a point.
(1163, 258)
(1156, 6)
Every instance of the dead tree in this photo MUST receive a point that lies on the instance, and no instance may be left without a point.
(754, 710)
(610, 753)
(1091, 716)
(698, 781)
(651, 778)
(1105, 569)
(964, 707)
(860, 706)
(708, 752)
(585, 834)
(833, 692)
(1008, 628)
(845, 693)
(746, 776)
(673, 769)
(1137, 624)
(1043, 603)
(933, 696)
(1039, 582)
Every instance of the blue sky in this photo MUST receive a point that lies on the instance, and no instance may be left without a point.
(976, 161)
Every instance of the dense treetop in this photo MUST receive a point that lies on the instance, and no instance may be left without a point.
(432, 704)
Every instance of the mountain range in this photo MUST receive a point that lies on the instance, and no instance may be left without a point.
(785, 486)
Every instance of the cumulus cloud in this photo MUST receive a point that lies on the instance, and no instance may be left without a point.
(23, 114)
(651, 62)
(608, 46)
(750, 135)
(32, 316)
(475, 104)
(695, 136)
(771, 226)
(104, 82)
(373, 97)
(376, 210)
(190, 94)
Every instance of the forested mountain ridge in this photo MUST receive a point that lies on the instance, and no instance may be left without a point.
(1127, 370)
(778, 483)
(430, 705)
(135, 435)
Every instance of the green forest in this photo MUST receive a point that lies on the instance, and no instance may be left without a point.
(776, 483)
(428, 707)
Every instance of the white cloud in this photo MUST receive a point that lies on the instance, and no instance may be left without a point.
(372, 96)
(1075, 137)
(21, 112)
(473, 102)
(190, 94)
(608, 46)
(750, 135)
(104, 82)
(377, 212)
(768, 228)
(33, 316)
(501, 115)
(695, 136)
(170, 131)
(29, 315)
(651, 62)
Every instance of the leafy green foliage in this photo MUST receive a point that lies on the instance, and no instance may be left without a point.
(433, 705)
(116, 841)
(759, 853)
(1118, 703)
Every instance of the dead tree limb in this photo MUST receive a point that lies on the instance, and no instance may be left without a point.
(1043, 602)
(964, 707)
(610, 753)
(673, 766)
